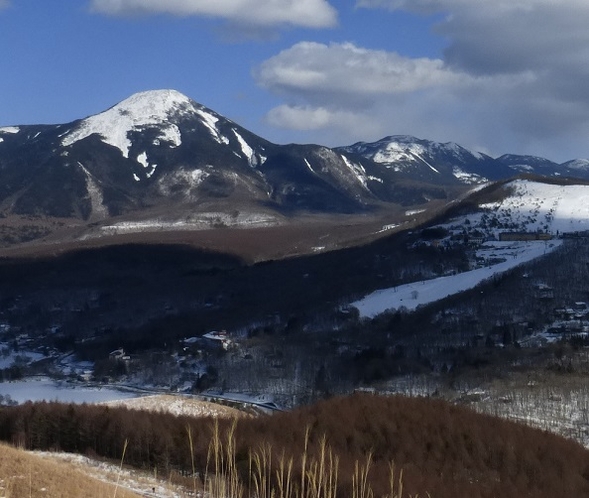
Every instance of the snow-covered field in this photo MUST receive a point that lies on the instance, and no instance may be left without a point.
(39, 389)
(18, 358)
(414, 294)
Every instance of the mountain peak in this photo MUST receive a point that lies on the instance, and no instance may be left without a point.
(155, 103)
(141, 110)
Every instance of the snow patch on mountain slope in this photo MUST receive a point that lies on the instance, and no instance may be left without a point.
(248, 152)
(468, 178)
(142, 159)
(427, 164)
(10, 129)
(358, 171)
(138, 112)
(210, 122)
(309, 166)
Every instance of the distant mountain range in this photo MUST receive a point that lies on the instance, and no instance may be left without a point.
(161, 151)
(445, 163)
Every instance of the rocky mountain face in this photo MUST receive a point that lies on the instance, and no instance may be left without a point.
(161, 150)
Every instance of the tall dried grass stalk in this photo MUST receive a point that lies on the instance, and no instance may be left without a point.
(321, 476)
(360, 485)
(261, 465)
(274, 477)
(221, 477)
(191, 443)
(120, 468)
(284, 478)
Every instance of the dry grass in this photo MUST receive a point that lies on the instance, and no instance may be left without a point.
(23, 474)
(281, 476)
(178, 405)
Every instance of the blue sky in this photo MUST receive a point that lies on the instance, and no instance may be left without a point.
(507, 76)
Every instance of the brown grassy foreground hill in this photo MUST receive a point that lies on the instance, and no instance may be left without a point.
(448, 451)
(23, 474)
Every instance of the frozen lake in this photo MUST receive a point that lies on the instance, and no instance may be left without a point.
(40, 389)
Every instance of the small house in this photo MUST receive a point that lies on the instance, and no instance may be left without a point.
(218, 339)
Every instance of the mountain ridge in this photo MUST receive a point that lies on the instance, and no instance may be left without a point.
(162, 148)
(161, 152)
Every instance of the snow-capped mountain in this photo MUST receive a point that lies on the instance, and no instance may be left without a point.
(440, 163)
(450, 163)
(160, 148)
(162, 151)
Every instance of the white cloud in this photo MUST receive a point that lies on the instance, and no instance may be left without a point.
(314, 118)
(300, 118)
(347, 69)
(341, 84)
(305, 13)
(514, 77)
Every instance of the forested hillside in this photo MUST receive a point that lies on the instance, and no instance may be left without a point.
(445, 450)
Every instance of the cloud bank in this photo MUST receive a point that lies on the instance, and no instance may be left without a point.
(514, 74)
(266, 13)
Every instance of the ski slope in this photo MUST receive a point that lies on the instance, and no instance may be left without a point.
(412, 295)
